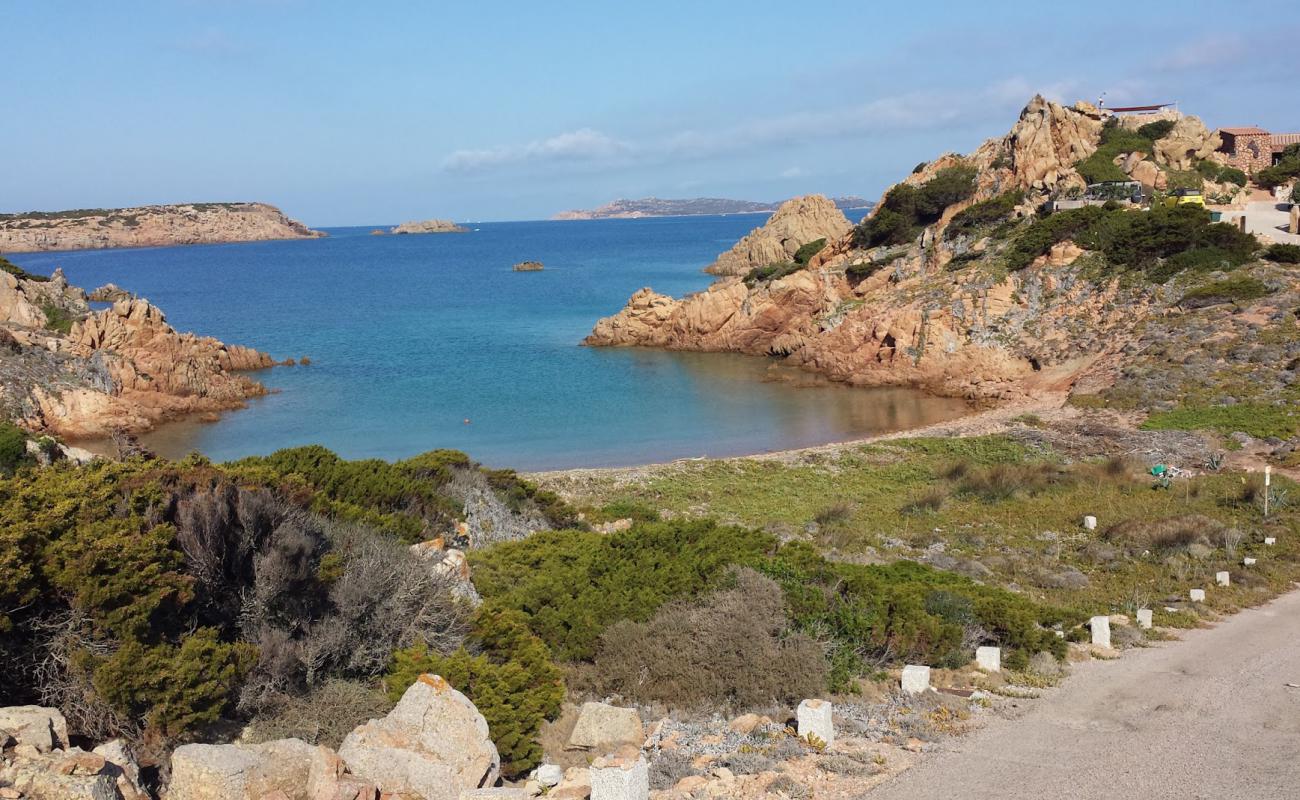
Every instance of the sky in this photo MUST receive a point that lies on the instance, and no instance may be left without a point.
(351, 113)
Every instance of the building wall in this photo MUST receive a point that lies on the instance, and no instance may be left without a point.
(1250, 152)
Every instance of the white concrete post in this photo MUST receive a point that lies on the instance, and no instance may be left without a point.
(989, 659)
(1222, 578)
(620, 779)
(1270, 540)
(1100, 631)
(1197, 595)
(1090, 522)
(916, 679)
(815, 717)
(1248, 561)
(1144, 618)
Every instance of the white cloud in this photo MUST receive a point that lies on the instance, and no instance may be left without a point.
(921, 110)
(583, 145)
(793, 172)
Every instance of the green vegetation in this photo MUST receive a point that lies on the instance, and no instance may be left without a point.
(781, 269)
(13, 448)
(57, 318)
(907, 208)
(1260, 421)
(1159, 243)
(1220, 173)
(18, 272)
(1284, 171)
(985, 212)
(1235, 289)
(163, 598)
(1116, 141)
(1283, 253)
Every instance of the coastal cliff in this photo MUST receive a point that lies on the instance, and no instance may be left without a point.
(147, 226)
(957, 282)
(78, 373)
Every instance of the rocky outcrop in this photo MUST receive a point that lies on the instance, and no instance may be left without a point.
(529, 266)
(433, 745)
(796, 223)
(902, 316)
(120, 369)
(147, 226)
(430, 226)
(109, 293)
(1186, 143)
(605, 728)
(37, 761)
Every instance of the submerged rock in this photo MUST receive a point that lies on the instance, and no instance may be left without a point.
(430, 226)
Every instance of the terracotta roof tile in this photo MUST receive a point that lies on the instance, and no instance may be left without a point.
(1250, 130)
(1281, 141)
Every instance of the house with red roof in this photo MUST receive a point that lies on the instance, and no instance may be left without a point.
(1252, 148)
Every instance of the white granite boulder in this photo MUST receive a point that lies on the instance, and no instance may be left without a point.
(433, 745)
(236, 771)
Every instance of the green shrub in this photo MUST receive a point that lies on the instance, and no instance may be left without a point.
(18, 272)
(1236, 289)
(907, 208)
(1115, 141)
(772, 272)
(1220, 173)
(805, 253)
(507, 673)
(13, 448)
(985, 212)
(1155, 131)
(1282, 172)
(1283, 253)
(57, 318)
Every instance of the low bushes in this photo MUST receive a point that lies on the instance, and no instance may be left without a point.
(1258, 420)
(1235, 289)
(729, 649)
(781, 269)
(1283, 253)
(1283, 171)
(1116, 141)
(985, 212)
(1220, 173)
(13, 448)
(18, 272)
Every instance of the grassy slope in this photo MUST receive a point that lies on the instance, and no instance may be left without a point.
(862, 498)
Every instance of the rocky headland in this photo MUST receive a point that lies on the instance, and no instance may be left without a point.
(429, 226)
(147, 226)
(956, 283)
(529, 266)
(78, 373)
(659, 207)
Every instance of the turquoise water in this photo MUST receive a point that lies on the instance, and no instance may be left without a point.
(410, 336)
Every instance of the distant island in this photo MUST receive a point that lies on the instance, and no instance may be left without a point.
(147, 226)
(659, 207)
(430, 226)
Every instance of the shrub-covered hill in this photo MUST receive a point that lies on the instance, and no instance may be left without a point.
(157, 600)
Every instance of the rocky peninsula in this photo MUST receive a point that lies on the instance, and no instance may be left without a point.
(955, 284)
(429, 226)
(77, 373)
(696, 206)
(147, 226)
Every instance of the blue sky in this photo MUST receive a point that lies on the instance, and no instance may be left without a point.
(368, 113)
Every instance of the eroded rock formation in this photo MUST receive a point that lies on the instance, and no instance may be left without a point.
(82, 374)
(796, 223)
(430, 226)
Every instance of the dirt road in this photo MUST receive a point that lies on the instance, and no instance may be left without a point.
(1208, 717)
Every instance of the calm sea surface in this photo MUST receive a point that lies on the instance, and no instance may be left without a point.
(410, 336)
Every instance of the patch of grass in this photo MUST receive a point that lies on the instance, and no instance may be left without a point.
(1260, 421)
(1235, 289)
(57, 318)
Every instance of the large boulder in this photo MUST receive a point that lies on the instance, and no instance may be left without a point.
(72, 774)
(244, 772)
(606, 728)
(45, 729)
(796, 223)
(433, 744)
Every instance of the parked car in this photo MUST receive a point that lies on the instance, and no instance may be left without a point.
(1185, 197)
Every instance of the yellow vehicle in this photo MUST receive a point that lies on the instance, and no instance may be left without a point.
(1185, 197)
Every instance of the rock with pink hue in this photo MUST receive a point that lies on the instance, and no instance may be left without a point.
(796, 223)
(433, 745)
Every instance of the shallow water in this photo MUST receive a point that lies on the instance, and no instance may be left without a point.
(419, 342)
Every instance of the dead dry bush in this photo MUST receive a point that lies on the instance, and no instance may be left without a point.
(323, 716)
(1164, 535)
(729, 650)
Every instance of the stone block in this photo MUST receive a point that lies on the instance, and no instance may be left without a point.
(989, 659)
(1144, 618)
(1090, 523)
(1270, 540)
(549, 775)
(1223, 578)
(815, 718)
(1197, 595)
(620, 778)
(916, 679)
(604, 727)
(1248, 561)
(1100, 631)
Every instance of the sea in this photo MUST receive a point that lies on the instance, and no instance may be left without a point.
(419, 342)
